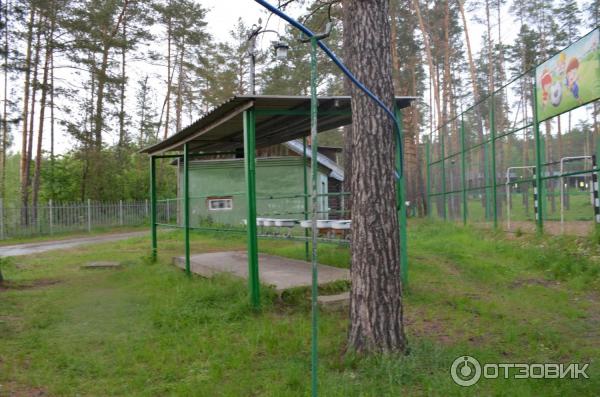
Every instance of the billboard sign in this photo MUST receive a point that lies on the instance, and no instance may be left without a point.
(570, 78)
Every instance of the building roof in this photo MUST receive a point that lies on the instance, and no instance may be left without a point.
(278, 119)
(336, 172)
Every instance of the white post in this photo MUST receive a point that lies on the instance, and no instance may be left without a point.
(146, 208)
(562, 187)
(1, 219)
(121, 212)
(50, 218)
(89, 215)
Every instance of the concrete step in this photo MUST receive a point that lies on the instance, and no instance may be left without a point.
(334, 302)
(102, 265)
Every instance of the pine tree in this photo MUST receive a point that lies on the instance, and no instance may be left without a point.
(376, 317)
(146, 113)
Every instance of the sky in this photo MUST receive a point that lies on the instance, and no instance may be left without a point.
(221, 17)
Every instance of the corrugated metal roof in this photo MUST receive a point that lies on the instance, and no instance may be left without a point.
(336, 172)
(222, 128)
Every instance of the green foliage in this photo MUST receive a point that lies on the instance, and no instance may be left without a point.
(151, 330)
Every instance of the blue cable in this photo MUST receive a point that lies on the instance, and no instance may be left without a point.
(345, 70)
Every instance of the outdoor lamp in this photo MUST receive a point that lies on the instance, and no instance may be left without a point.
(281, 50)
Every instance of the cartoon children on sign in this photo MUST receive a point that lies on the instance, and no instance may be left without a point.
(545, 83)
(562, 75)
(569, 79)
(573, 77)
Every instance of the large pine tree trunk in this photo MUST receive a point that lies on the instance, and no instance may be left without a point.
(38, 156)
(24, 164)
(98, 116)
(34, 89)
(376, 322)
(347, 187)
(5, 109)
(169, 77)
(122, 137)
(436, 90)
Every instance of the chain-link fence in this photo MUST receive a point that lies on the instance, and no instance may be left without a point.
(495, 165)
(61, 217)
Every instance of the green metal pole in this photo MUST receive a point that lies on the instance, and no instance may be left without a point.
(401, 203)
(314, 167)
(428, 160)
(486, 179)
(463, 168)
(493, 163)
(443, 152)
(250, 170)
(306, 245)
(538, 163)
(153, 208)
(186, 207)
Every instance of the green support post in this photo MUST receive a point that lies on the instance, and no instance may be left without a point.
(250, 170)
(186, 206)
(486, 178)
(443, 155)
(463, 168)
(304, 157)
(153, 208)
(493, 162)
(314, 167)
(428, 160)
(538, 164)
(401, 202)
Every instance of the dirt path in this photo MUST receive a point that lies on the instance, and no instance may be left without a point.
(34, 248)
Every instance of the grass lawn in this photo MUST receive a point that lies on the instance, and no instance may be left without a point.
(148, 330)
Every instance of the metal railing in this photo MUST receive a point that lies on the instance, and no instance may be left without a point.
(63, 217)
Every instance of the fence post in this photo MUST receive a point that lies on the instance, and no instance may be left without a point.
(50, 218)
(89, 215)
(1, 218)
(121, 212)
(428, 161)
(146, 208)
(463, 167)
(168, 210)
(443, 157)
(494, 176)
(538, 164)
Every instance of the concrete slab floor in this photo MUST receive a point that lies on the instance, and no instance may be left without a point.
(282, 273)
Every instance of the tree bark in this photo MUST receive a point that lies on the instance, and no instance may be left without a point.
(34, 89)
(179, 99)
(38, 156)
(472, 69)
(107, 44)
(169, 76)
(122, 137)
(348, 145)
(24, 164)
(376, 322)
(436, 90)
(5, 106)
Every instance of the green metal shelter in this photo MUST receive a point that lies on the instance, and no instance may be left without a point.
(244, 124)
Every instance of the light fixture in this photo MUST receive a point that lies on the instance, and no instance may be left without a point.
(281, 50)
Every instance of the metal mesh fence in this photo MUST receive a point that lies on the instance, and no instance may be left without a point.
(61, 217)
(482, 165)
